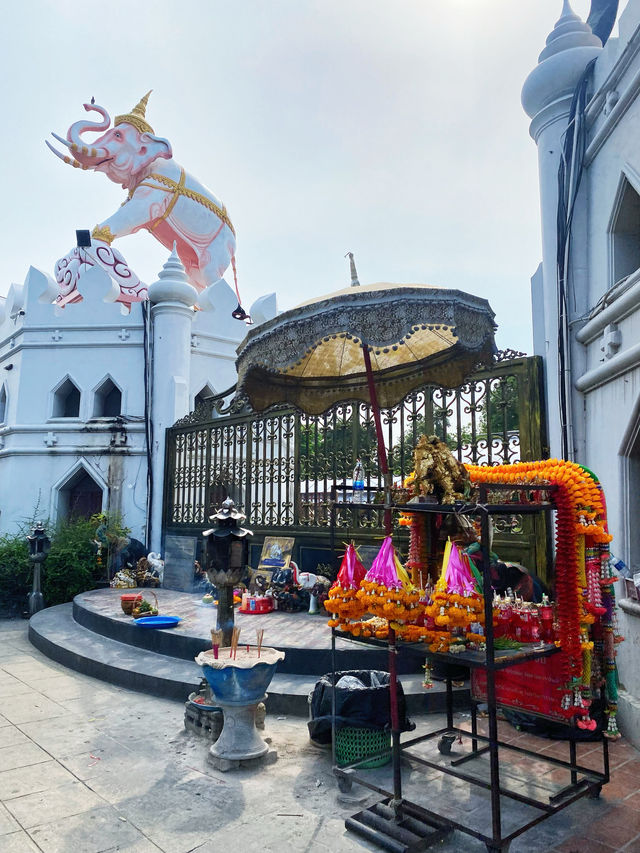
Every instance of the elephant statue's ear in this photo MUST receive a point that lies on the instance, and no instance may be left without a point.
(157, 145)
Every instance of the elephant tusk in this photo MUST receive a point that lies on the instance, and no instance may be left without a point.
(56, 152)
(61, 139)
(68, 160)
(93, 152)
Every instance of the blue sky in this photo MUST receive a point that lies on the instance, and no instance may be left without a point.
(390, 129)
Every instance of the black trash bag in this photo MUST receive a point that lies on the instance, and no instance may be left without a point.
(360, 707)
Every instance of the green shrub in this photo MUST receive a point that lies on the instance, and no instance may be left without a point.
(72, 565)
(15, 569)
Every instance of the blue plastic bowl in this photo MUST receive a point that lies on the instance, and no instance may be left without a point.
(157, 621)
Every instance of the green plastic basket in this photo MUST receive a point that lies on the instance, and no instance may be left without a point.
(353, 745)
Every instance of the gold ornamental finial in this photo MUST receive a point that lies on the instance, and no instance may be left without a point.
(137, 116)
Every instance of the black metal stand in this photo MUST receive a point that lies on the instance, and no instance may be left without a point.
(401, 826)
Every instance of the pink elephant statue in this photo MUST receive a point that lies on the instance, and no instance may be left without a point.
(162, 198)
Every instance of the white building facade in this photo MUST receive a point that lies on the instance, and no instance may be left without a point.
(589, 335)
(86, 392)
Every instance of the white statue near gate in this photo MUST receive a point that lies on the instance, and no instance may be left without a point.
(162, 198)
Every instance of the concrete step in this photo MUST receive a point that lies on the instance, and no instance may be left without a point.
(56, 634)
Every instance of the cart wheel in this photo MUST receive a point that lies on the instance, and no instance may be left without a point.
(345, 781)
(594, 792)
(445, 743)
(345, 784)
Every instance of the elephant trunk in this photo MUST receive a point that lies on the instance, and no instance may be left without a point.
(74, 134)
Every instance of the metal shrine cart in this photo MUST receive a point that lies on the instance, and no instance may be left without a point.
(374, 344)
(402, 826)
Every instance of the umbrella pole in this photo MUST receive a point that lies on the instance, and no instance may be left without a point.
(382, 451)
(396, 802)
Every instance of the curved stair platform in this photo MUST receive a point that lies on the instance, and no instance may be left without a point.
(57, 635)
(94, 637)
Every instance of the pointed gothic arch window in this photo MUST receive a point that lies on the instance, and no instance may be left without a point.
(66, 400)
(107, 402)
(3, 404)
(80, 496)
(630, 455)
(204, 396)
(625, 232)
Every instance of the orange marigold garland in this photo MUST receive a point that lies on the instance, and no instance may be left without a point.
(609, 629)
(579, 513)
(582, 492)
(342, 601)
(456, 604)
(387, 592)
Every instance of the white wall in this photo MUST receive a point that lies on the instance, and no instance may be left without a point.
(606, 341)
(88, 341)
(215, 333)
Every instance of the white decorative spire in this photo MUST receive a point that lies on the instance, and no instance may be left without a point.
(567, 11)
(570, 31)
(354, 274)
(173, 284)
(173, 268)
(546, 97)
(569, 48)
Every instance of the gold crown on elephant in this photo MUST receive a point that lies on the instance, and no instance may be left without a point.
(137, 116)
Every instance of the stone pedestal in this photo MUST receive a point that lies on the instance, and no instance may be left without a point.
(239, 739)
(224, 764)
(207, 721)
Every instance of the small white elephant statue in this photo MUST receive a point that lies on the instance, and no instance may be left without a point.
(307, 580)
(156, 564)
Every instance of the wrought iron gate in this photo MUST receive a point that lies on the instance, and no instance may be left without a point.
(282, 467)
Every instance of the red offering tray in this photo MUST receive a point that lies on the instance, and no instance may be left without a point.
(257, 605)
(533, 686)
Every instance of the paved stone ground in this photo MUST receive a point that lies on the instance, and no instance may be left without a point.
(89, 768)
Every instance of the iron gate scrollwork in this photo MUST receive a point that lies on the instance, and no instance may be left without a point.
(280, 467)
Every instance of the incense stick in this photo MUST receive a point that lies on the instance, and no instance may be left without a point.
(235, 636)
(216, 641)
(260, 635)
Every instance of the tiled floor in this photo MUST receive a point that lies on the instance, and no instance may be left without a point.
(591, 826)
(89, 768)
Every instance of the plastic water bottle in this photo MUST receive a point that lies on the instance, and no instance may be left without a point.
(358, 483)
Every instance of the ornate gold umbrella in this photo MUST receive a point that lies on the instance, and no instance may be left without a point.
(373, 343)
(315, 355)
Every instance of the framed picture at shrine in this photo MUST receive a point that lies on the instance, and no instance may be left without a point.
(276, 553)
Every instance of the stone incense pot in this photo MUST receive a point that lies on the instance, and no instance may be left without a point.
(238, 685)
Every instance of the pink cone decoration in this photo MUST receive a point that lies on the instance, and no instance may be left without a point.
(351, 569)
(458, 573)
(383, 570)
